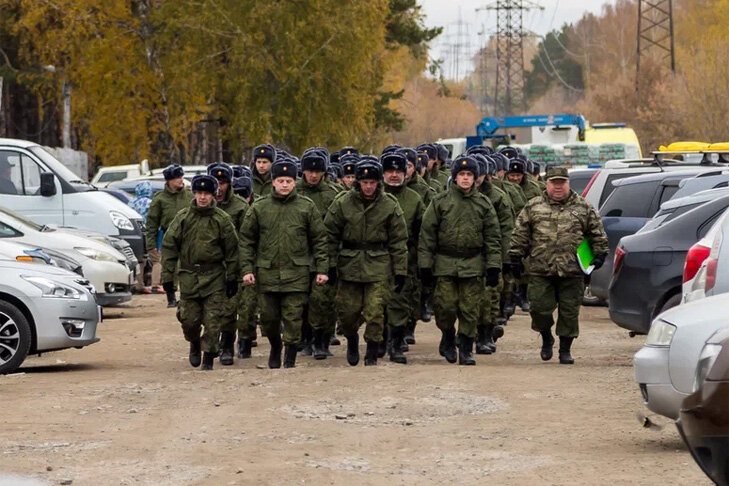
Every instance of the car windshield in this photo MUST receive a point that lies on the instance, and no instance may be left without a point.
(24, 220)
(630, 200)
(61, 171)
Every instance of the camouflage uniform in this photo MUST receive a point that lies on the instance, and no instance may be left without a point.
(368, 242)
(261, 185)
(162, 210)
(529, 187)
(424, 190)
(204, 244)
(548, 233)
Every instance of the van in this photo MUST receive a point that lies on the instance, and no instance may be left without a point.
(36, 185)
(105, 175)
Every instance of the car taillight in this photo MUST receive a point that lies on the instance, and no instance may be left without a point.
(694, 258)
(710, 274)
(589, 184)
(618, 261)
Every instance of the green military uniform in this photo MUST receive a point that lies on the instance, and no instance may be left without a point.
(529, 187)
(424, 190)
(443, 175)
(431, 177)
(459, 240)
(516, 195)
(548, 233)
(368, 243)
(282, 241)
(203, 242)
(320, 313)
(261, 185)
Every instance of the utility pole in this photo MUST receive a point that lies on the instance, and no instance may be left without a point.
(509, 95)
(456, 50)
(655, 33)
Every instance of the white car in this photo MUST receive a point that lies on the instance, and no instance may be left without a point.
(43, 308)
(105, 175)
(711, 255)
(665, 368)
(100, 263)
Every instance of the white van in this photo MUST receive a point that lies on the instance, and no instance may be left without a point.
(39, 187)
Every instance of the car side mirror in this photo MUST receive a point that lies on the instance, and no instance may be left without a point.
(47, 184)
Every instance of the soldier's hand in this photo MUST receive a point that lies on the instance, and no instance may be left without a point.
(427, 277)
(249, 279)
(321, 278)
(231, 288)
(168, 287)
(492, 277)
(399, 283)
(599, 260)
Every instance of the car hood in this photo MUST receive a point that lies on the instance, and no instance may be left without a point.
(108, 202)
(706, 310)
(65, 241)
(30, 269)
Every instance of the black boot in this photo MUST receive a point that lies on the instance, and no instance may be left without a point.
(227, 348)
(353, 349)
(290, 356)
(565, 343)
(334, 340)
(327, 340)
(171, 299)
(244, 348)
(525, 306)
(510, 305)
(207, 361)
(382, 345)
(373, 350)
(449, 345)
(397, 335)
(465, 351)
(547, 343)
(410, 332)
(497, 332)
(195, 353)
(490, 336)
(319, 346)
(307, 339)
(482, 342)
(274, 357)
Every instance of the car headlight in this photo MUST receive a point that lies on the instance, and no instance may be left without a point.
(706, 361)
(661, 334)
(121, 221)
(53, 289)
(97, 255)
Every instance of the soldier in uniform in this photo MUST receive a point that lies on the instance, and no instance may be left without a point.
(163, 209)
(460, 241)
(432, 170)
(536, 176)
(283, 246)
(202, 241)
(349, 163)
(368, 244)
(236, 208)
(320, 313)
(263, 157)
(548, 232)
(444, 160)
(399, 305)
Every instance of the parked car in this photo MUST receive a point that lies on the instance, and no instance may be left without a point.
(105, 175)
(704, 417)
(48, 193)
(43, 308)
(665, 368)
(104, 266)
(579, 178)
(702, 182)
(648, 271)
(712, 258)
(675, 207)
(128, 186)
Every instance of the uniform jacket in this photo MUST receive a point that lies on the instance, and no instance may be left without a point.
(163, 209)
(504, 212)
(235, 207)
(413, 208)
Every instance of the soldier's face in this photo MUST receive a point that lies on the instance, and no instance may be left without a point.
(368, 187)
(203, 199)
(514, 177)
(313, 177)
(500, 174)
(394, 178)
(348, 180)
(431, 164)
(222, 190)
(176, 184)
(480, 180)
(535, 176)
(464, 180)
(284, 185)
(410, 172)
(263, 166)
(558, 189)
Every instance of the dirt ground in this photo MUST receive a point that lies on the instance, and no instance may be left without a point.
(130, 410)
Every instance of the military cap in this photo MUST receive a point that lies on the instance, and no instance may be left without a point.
(204, 183)
(242, 171)
(429, 149)
(284, 168)
(243, 186)
(422, 160)
(368, 170)
(173, 171)
(536, 168)
(517, 166)
(410, 154)
(557, 173)
(335, 172)
(479, 149)
(221, 171)
(490, 165)
(349, 167)
(391, 148)
(443, 152)
(314, 160)
(394, 161)
(334, 158)
(482, 164)
(347, 151)
(265, 151)
(529, 164)
(464, 163)
(502, 162)
(509, 152)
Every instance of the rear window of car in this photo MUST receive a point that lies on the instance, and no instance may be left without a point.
(578, 182)
(630, 201)
(609, 187)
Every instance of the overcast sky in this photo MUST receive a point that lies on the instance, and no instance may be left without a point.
(445, 13)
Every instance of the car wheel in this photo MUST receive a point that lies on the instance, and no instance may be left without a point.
(589, 299)
(671, 302)
(14, 337)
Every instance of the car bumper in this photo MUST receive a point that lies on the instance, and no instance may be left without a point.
(637, 321)
(652, 375)
(51, 315)
(102, 274)
(109, 299)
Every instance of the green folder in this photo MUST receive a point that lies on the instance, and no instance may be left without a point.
(585, 257)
